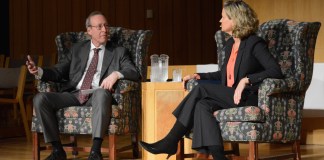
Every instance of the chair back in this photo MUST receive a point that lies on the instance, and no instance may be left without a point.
(291, 43)
(17, 62)
(136, 41)
(2, 59)
(13, 78)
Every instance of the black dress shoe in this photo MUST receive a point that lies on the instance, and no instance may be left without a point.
(95, 156)
(57, 155)
(160, 147)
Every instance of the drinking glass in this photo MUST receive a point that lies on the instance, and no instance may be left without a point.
(177, 75)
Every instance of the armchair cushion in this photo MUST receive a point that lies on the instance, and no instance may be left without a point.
(241, 114)
(241, 131)
(77, 120)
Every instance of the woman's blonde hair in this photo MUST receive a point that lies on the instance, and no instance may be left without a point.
(244, 17)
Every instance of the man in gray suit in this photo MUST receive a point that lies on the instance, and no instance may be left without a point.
(91, 64)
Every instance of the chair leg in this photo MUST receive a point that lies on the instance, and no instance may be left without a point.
(235, 148)
(296, 150)
(14, 92)
(74, 144)
(134, 138)
(24, 119)
(15, 111)
(253, 151)
(36, 146)
(29, 108)
(112, 147)
(180, 151)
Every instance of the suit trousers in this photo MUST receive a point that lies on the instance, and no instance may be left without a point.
(196, 110)
(48, 103)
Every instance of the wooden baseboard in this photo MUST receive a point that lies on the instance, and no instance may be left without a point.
(313, 130)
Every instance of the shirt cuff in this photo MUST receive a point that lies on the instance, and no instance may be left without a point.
(40, 73)
(120, 76)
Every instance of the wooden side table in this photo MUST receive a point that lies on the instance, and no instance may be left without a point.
(159, 99)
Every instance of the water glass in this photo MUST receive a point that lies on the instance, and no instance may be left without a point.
(177, 75)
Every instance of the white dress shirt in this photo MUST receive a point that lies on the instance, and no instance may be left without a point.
(96, 77)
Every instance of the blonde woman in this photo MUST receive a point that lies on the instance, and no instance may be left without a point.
(247, 63)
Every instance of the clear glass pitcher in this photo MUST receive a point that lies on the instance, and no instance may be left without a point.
(154, 68)
(159, 68)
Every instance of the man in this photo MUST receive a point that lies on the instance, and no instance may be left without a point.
(91, 64)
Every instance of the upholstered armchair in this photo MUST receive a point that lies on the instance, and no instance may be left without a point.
(278, 116)
(126, 109)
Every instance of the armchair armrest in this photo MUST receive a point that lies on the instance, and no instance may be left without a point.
(272, 86)
(121, 86)
(268, 87)
(46, 86)
(193, 82)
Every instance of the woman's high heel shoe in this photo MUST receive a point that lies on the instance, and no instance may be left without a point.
(160, 147)
(169, 144)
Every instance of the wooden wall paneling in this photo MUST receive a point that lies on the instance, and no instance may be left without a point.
(137, 14)
(11, 27)
(299, 10)
(35, 23)
(79, 15)
(179, 27)
(49, 26)
(93, 5)
(123, 13)
(258, 7)
(166, 28)
(194, 32)
(153, 25)
(180, 36)
(19, 27)
(4, 28)
(210, 24)
(109, 11)
(316, 14)
(64, 16)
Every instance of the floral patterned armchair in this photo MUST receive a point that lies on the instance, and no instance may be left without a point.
(278, 116)
(127, 108)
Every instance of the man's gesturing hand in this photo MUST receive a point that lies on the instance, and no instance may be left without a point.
(32, 68)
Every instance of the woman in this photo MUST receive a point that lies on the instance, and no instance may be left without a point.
(247, 63)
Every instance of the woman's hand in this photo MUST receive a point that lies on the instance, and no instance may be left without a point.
(239, 89)
(188, 77)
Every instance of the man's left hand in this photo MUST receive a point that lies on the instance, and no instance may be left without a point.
(109, 81)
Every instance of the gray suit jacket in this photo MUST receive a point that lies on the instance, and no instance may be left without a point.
(69, 71)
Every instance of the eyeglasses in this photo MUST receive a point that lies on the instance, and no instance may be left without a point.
(99, 27)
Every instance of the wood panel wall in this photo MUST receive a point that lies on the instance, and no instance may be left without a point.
(298, 10)
(183, 29)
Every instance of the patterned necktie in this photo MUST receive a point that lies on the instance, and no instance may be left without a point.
(87, 81)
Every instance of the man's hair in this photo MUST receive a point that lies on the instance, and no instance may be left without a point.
(244, 18)
(94, 13)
